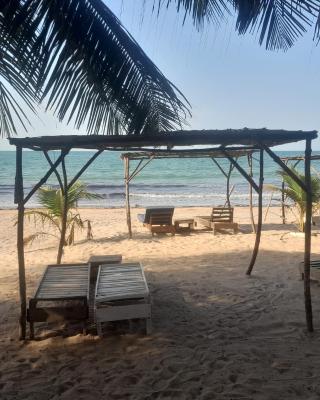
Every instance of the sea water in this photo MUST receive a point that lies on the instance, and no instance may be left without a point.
(172, 182)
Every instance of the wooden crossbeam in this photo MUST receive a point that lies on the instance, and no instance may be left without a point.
(285, 168)
(241, 170)
(45, 177)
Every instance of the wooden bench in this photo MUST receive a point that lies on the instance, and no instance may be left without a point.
(63, 294)
(121, 293)
(220, 218)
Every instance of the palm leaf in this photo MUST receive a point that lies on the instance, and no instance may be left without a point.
(279, 23)
(88, 68)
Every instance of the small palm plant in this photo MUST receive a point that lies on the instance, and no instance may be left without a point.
(297, 196)
(52, 201)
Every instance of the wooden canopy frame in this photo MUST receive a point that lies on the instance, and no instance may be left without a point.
(253, 139)
(144, 158)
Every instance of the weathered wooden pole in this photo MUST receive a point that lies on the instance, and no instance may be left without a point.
(307, 240)
(253, 225)
(259, 226)
(64, 212)
(228, 184)
(18, 199)
(127, 180)
(283, 211)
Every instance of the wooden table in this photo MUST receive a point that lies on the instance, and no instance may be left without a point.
(189, 222)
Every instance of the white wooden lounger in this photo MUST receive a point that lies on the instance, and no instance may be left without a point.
(63, 293)
(122, 293)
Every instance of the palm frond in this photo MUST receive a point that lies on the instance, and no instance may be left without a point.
(35, 236)
(279, 23)
(43, 217)
(89, 69)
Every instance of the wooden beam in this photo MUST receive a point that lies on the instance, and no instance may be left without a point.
(226, 137)
(20, 243)
(87, 164)
(253, 226)
(283, 210)
(127, 181)
(138, 170)
(285, 168)
(307, 241)
(44, 179)
(219, 166)
(55, 170)
(231, 167)
(259, 226)
(241, 170)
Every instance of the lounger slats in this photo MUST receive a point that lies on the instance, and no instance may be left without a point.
(220, 218)
(117, 284)
(64, 283)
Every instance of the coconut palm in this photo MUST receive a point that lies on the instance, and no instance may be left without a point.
(77, 58)
(297, 196)
(52, 201)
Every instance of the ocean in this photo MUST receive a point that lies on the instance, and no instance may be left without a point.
(174, 182)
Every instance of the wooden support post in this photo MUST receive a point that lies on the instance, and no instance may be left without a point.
(127, 180)
(228, 184)
(253, 225)
(20, 244)
(259, 226)
(307, 241)
(64, 213)
(283, 208)
(283, 211)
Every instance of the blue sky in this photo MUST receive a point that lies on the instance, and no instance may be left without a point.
(230, 81)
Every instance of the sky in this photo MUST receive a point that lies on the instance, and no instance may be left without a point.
(229, 80)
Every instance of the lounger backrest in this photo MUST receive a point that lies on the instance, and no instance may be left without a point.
(222, 214)
(159, 216)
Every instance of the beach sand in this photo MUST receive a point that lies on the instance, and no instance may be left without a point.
(217, 333)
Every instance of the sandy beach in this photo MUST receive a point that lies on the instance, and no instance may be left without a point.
(217, 334)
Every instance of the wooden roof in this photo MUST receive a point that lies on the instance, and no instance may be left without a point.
(227, 137)
(300, 158)
(193, 153)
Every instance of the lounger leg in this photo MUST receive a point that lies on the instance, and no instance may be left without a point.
(148, 326)
(84, 328)
(99, 329)
(31, 330)
(32, 306)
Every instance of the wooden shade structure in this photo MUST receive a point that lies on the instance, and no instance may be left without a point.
(146, 156)
(250, 139)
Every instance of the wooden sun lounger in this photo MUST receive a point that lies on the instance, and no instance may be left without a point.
(122, 293)
(158, 220)
(96, 260)
(220, 218)
(314, 270)
(63, 294)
